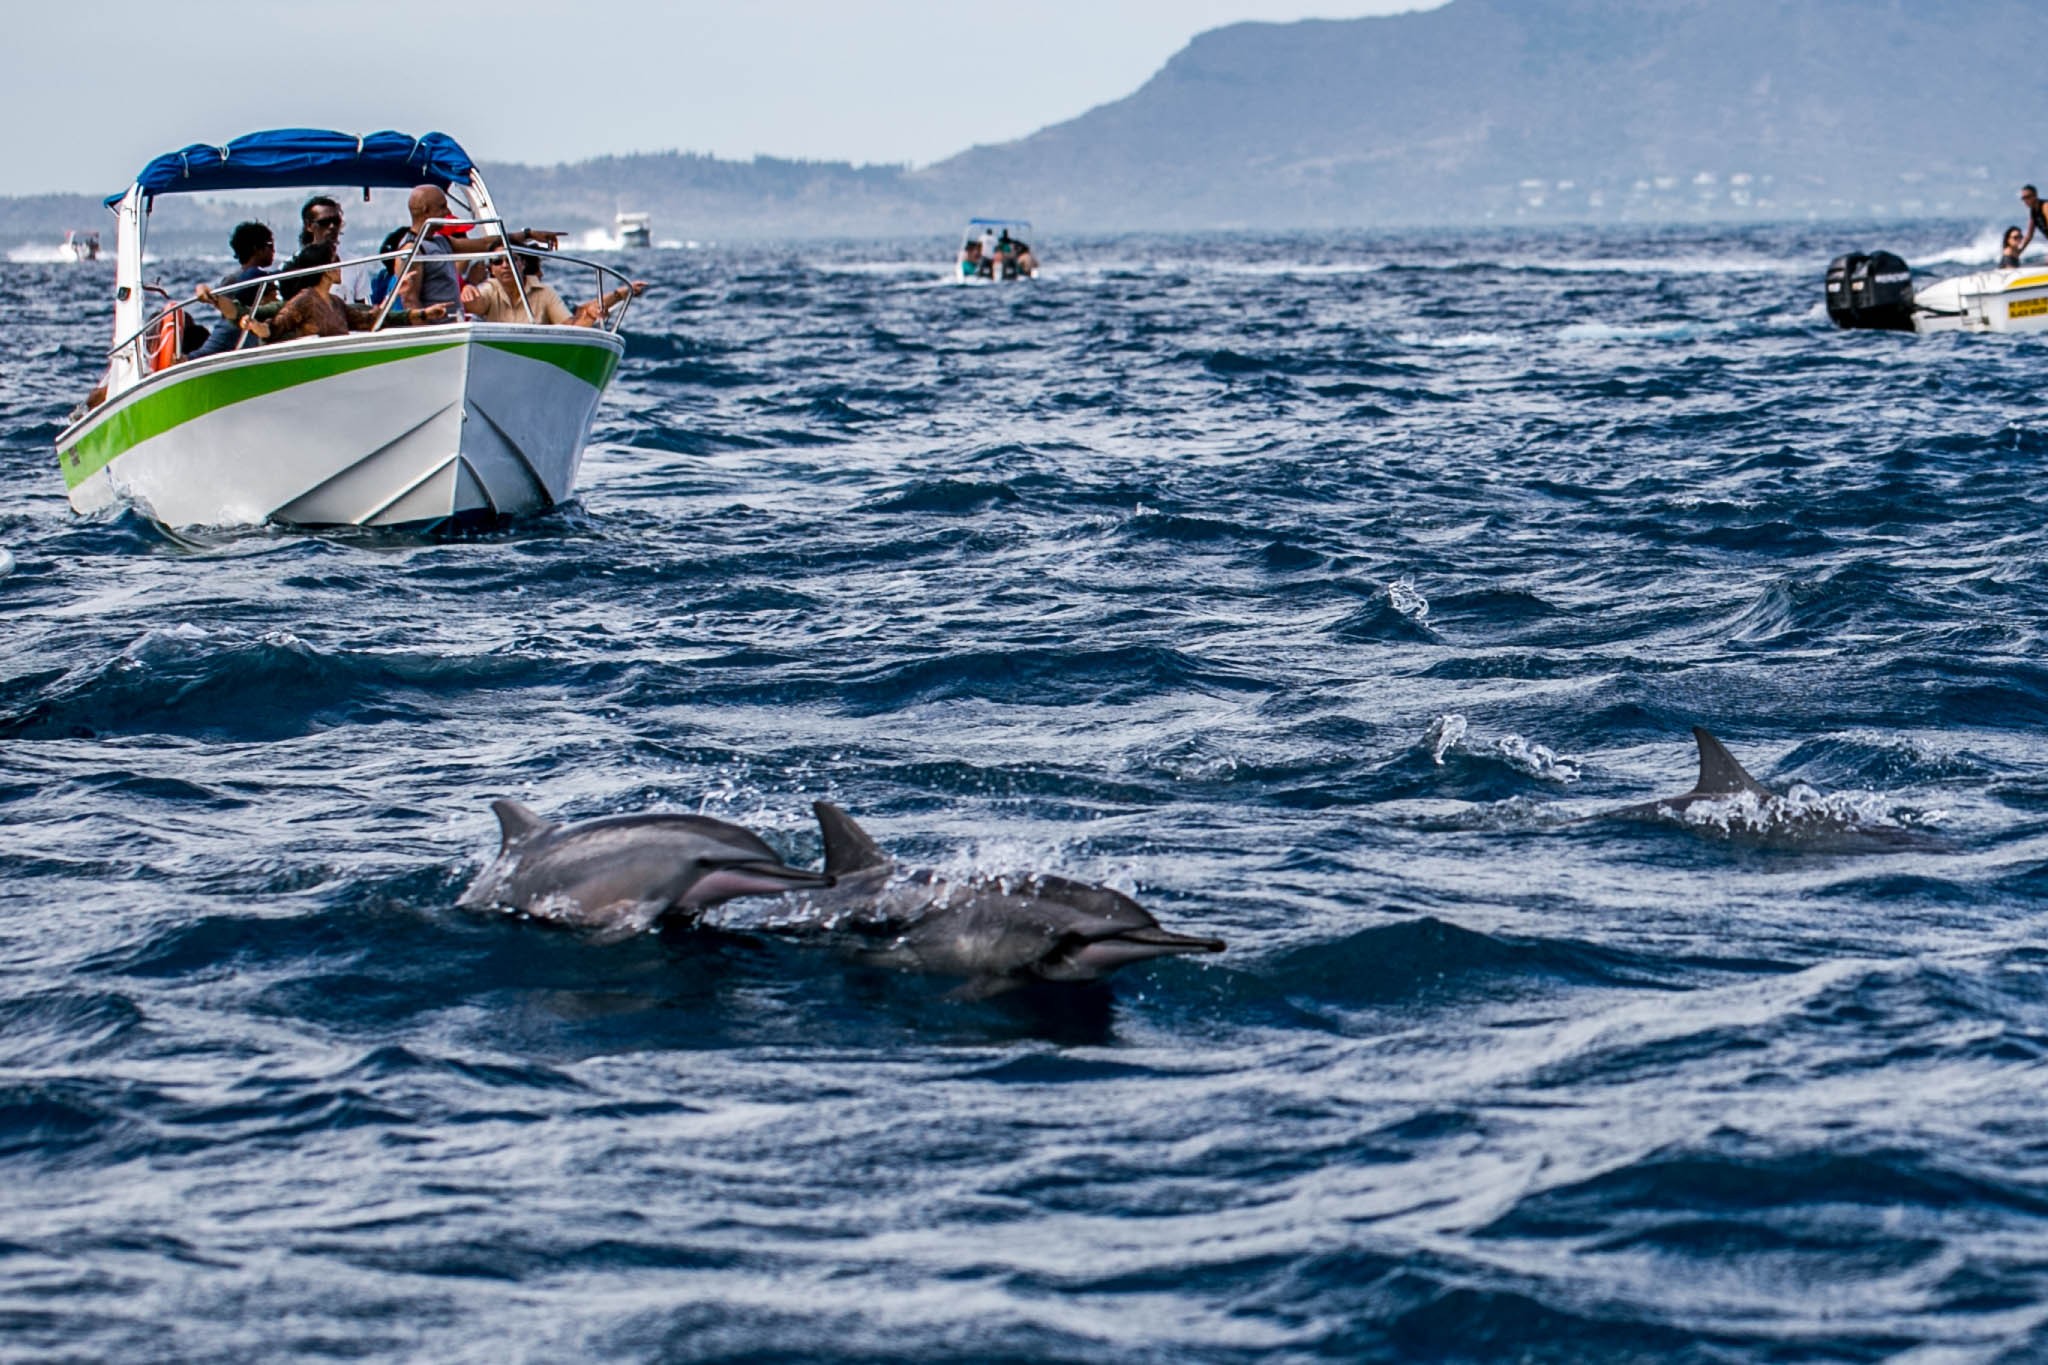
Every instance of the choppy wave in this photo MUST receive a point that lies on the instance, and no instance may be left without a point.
(1314, 589)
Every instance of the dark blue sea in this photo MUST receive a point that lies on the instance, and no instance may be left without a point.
(1313, 589)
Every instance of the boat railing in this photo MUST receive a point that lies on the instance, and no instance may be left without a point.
(174, 314)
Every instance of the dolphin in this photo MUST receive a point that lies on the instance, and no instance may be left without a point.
(620, 874)
(1770, 819)
(1721, 777)
(998, 932)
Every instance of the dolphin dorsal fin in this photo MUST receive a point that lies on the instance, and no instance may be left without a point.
(1720, 774)
(847, 846)
(516, 822)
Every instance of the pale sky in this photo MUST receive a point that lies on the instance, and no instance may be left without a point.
(90, 92)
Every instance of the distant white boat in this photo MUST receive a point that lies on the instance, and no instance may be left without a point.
(993, 250)
(80, 246)
(1877, 292)
(633, 231)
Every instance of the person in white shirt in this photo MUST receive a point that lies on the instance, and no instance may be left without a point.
(320, 221)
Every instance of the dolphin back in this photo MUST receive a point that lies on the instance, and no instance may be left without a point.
(848, 848)
(1720, 774)
(516, 822)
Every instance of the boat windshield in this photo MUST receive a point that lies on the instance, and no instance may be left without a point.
(991, 229)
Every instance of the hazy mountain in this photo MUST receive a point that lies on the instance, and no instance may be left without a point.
(1502, 109)
(1591, 108)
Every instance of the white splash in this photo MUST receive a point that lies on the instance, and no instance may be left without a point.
(1802, 810)
(1537, 760)
(1982, 251)
(1444, 734)
(1456, 341)
(1448, 732)
(35, 253)
(1402, 597)
(6, 562)
(1602, 332)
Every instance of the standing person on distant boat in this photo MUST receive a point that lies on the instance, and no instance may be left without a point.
(255, 249)
(1014, 258)
(2037, 216)
(434, 280)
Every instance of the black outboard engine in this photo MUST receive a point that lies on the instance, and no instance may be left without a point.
(1874, 291)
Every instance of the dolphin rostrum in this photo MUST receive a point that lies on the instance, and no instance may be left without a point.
(620, 874)
(998, 932)
(1772, 818)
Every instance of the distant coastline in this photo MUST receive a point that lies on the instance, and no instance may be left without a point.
(1481, 111)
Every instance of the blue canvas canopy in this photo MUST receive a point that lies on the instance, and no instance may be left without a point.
(287, 158)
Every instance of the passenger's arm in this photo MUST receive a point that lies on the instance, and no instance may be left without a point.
(595, 312)
(361, 318)
(523, 237)
(233, 311)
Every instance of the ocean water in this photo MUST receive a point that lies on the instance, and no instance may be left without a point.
(1311, 588)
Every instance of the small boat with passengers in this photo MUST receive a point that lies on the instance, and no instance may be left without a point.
(1876, 291)
(993, 250)
(383, 426)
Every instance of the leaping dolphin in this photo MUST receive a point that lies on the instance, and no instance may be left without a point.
(1775, 821)
(620, 874)
(998, 932)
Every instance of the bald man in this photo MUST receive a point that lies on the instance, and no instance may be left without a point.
(432, 281)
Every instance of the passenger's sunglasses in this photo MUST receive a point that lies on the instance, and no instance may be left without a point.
(331, 220)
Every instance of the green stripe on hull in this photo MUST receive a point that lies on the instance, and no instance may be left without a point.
(200, 393)
(594, 365)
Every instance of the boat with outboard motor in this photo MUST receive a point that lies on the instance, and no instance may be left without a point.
(389, 426)
(993, 250)
(1876, 291)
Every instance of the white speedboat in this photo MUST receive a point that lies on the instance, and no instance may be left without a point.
(1878, 291)
(382, 427)
(994, 250)
(1988, 301)
(634, 232)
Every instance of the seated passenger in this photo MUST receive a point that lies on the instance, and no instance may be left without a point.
(313, 311)
(434, 279)
(973, 264)
(320, 221)
(310, 311)
(2009, 253)
(498, 299)
(1015, 256)
(386, 277)
(256, 250)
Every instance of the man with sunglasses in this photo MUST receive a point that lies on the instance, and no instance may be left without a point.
(320, 221)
